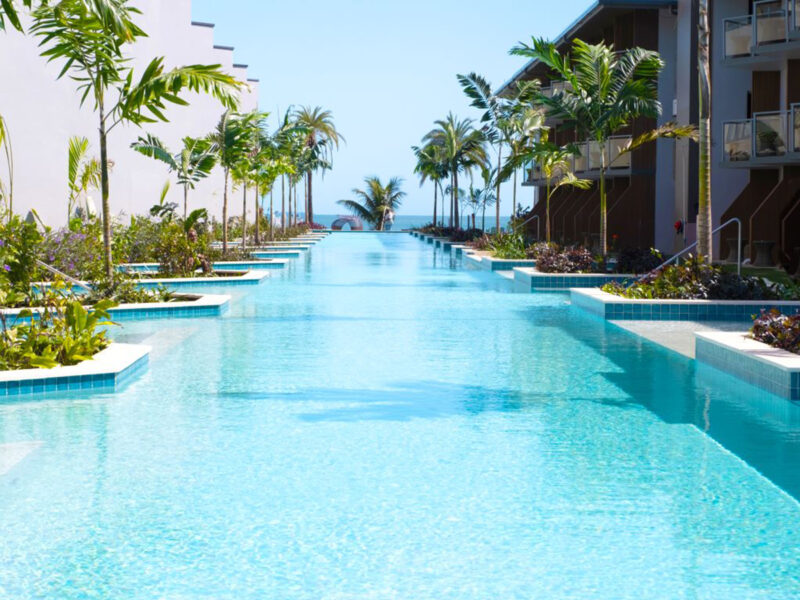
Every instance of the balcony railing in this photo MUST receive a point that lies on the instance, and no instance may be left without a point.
(764, 138)
(772, 22)
(591, 156)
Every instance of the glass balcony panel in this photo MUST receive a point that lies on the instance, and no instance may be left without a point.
(795, 24)
(738, 140)
(616, 144)
(771, 22)
(770, 135)
(738, 36)
(796, 127)
(581, 161)
(595, 156)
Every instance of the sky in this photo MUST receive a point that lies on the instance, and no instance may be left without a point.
(386, 70)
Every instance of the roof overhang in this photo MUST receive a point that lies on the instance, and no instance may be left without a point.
(588, 15)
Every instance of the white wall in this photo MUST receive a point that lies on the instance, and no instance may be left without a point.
(43, 113)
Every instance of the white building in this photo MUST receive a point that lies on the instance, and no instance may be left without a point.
(43, 113)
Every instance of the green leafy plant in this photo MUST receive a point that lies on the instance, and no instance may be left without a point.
(778, 330)
(508, 246)
(63, 332)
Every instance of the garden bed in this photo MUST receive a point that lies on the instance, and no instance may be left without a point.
(541, 282)
(107, 370)
(737, 353)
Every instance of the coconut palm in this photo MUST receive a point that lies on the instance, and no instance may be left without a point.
(90, 39)
(462, 147)
(604, 92)
(9, 11)
(377, 201)
(498, 117)
(705, 247)
(230, 141)
(192, 164)
(83, 172)
(322, 138)
(244, 170)
(431, 165)
(7, 190)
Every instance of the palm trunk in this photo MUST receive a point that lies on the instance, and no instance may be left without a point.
(435, 202)
(497, 203)
(705, 246)
(225, 215)
(295, 204)
(185, 200)
(603, 211)
(547, 213)
(483, 219)
(258, 218)
(514, 196)
(455, 200)
(271, 214)
(310, 211)
(109, 265)
(442, 190)
(283, 203)
(244, 215)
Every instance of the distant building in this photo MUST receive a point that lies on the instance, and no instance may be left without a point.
(44, 113)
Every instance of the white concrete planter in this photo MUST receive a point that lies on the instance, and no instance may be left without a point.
(738, 354)
(107, 370)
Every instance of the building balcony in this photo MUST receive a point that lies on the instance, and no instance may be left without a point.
(772, 30)
(586, 165)
(767, 140)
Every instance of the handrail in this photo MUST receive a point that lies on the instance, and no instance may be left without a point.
(72, 280)
(538, 225)
(685, 250)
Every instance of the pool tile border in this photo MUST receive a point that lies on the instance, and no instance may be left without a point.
(548, 282)
(109, 370)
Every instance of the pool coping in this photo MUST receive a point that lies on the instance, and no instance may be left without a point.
(617, 308)
(738, 354)
(268, 263)
(489, 263)
(249, 277)
(203, 305)
(563, 282)
(108, 369)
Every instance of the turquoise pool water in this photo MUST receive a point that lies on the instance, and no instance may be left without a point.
(378, 422)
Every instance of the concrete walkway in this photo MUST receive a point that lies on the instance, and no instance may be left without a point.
(677, 336)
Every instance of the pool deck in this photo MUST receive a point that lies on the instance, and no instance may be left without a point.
(677, 336)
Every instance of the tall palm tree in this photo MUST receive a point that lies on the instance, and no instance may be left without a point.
(431, 165)
(83, 172)
(604, 92)
(377, 201)
(90, 39)
(705, 247)
(7, 191)
(192, 164)
(498, 117)
(230, 140)
(463, 148)
(245, 167)
(322, 138)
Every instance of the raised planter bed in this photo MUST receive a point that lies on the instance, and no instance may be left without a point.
(108, 370)
(230, 265)
(736, 353)
(277, 253)
(488, 263)
(251, 277)
(613, 307)
(196, 305)
(541, 282)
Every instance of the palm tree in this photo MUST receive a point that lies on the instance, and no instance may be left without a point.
(462, 147)
(604, 92)
(192, 164)
(431, 165)
(498, 116)
(321, 138)
(244, 170)
(83, 173)
(7, 192)
(229, 139)
(705, 247)
(10, 12)
(90, 38)
(377, 201)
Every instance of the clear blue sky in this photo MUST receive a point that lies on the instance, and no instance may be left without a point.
(387, 70)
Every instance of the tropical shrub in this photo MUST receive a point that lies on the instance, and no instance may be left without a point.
(63, 333)
(778, 330)
(312, 226)
(508, 246)
(122, 289)
(638, 260)
(695, 279)
(466, 235)
(179, 253)
(75, 253)
(482, 243)
(19, 250)
(568, 260)
(137, 242)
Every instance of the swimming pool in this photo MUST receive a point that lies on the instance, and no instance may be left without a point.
(379, 422)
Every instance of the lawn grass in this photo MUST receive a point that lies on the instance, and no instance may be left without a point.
(775, 275)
